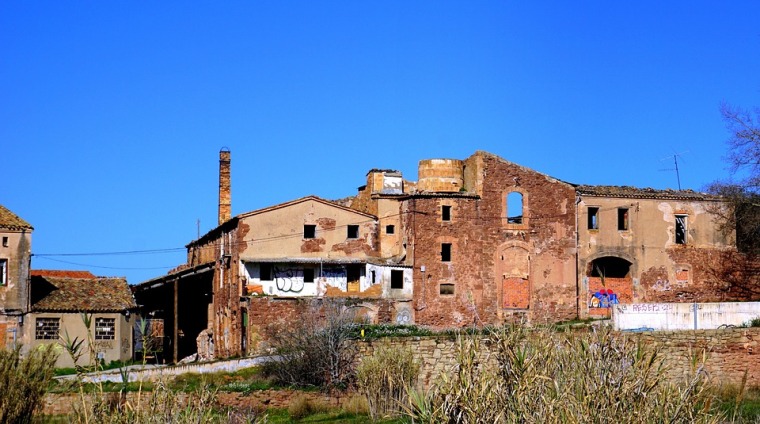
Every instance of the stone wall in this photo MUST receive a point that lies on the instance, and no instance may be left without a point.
(729, 353)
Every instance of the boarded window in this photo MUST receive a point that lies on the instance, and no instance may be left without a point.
(266, 272)
(105, 328)
(47, 328)
(515, 208)
(681, 228)
(397, 279)
(445, 213)
(390, 229)
(622, 219)
(353, 231)
(593, 218)
(309, 231)
(308, 275)
(445, 252)
(447, 289)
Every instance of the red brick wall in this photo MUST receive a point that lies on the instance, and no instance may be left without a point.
(477, 231)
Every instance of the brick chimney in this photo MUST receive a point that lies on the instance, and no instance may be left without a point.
(225, 202)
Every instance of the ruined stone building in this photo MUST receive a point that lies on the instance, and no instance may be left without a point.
(15, 259)
(472, 242)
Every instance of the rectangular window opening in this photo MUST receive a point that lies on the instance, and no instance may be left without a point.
(446, 252)
(681, 228)
(309, 231)
(353, 232)
(622, 219)
(308, 275)
(397, 279)
(47, 328)
(266, 272)
(390, 229)
(447, 289)
(445, 213)
(3, 272)
(593, 218)
(105, 328)
(5, 241)
(374, 276)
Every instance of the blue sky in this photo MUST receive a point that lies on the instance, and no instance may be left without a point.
(112, 114)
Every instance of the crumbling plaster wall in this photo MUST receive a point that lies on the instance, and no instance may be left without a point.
(14, 295)
(661, 270)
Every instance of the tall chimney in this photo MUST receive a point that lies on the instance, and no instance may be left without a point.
(225, 202)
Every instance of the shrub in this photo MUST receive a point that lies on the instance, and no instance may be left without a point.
(23, 382)
(300, 408)
(356, 405)
(317, 350)
(543, 375)
(384, 378)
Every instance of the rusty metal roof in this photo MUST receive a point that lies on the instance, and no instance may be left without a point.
(62, 294)
(642, 193)
(11, 221)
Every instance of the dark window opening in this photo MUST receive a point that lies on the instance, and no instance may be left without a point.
(309, 231)
(397, 279)
(447, 289)
(445, 252)
(623, 219)
(374, 276)
(353, 231)
(266, 272)
(681, 221)
(610, 266)
(445, 213)
(593, 218)
(308, 275)
(3, 272)
(5, 241)
(515, 208)
(390, 229)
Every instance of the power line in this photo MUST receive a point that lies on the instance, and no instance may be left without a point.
(108, 267)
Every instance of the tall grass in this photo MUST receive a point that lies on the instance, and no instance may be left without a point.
(384, 378)
(23, 381)
(544, 376)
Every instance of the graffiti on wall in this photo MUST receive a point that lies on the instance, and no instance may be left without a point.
(288, 279)
(603, 298)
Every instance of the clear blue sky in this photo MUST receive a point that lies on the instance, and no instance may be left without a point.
(112, 113)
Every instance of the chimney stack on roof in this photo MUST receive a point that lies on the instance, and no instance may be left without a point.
(225, 202)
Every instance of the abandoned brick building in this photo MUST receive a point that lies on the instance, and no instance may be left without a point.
(471, 242)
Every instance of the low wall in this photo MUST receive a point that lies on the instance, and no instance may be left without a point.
(683, 316)
(729, 353)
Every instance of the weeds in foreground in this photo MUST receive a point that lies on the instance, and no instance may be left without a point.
(545, 376)
(23, 381)
(384, 378)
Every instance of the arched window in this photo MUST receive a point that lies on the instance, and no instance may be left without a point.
(514, 208)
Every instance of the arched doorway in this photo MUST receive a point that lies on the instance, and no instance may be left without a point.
(609, 283)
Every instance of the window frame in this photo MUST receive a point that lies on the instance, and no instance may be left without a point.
(446, 252)
(397, 279)
(624, 218)
(352, 231)
(105, 335)
(592, 222)
(685, 225)
(41, 334)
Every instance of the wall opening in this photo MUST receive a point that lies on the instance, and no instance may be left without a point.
(352, 232)
(397, 279)
(681, 228)
(390, 229)
(447, 289)
(622, 218)
(610, 267)
(445, 252)
(265, 272)
(593, 218)
(515, 208)
(445, 213)
(309, 231)
(308, 275)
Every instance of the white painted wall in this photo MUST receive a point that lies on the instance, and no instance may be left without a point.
(682, 316)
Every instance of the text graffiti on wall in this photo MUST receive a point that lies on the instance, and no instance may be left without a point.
(288, 280)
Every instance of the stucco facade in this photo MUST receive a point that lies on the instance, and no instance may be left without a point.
(15, 255)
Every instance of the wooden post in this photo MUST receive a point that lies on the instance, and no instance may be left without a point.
(175, 342)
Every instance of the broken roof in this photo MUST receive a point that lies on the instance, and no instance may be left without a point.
(61, 294)
(642, 193)
(11, 221)
(62, 273)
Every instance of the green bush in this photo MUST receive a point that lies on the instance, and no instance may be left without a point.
(546, 376)
(23, 381)
(384, 378)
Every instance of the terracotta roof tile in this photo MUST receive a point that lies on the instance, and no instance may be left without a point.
(643, 193)
(11, 221)
(81, 294)
(62, 273)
